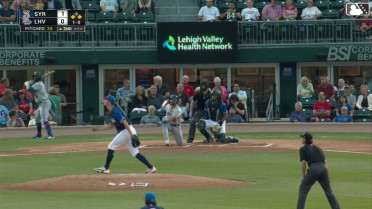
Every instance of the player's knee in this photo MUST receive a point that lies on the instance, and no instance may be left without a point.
(134, 152)
(201, 125)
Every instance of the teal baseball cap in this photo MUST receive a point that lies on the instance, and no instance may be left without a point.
(110, 98)
(150, 196)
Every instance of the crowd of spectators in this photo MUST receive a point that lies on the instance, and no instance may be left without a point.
(332, 103)
(17, 108)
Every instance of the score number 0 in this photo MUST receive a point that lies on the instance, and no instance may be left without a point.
(62, 17)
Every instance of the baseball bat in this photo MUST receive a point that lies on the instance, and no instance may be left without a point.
(49, 73)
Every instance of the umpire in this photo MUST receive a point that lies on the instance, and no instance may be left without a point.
(314, 157)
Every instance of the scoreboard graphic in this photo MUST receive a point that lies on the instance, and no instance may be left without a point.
(52, 20)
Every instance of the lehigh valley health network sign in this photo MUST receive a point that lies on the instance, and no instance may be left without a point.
(197, 42)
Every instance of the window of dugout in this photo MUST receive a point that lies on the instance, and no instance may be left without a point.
(145, 77)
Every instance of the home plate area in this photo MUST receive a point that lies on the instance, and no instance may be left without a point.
(123, 182)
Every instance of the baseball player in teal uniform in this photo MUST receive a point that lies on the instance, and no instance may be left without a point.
(43, 102)
(318, 171)
(125, 135)
(172, 121)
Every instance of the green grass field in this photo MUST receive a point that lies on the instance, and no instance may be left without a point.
(276, 174)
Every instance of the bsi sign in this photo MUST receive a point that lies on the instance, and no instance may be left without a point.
(350, 53)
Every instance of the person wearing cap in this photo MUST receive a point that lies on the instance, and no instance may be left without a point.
(200, 98)
(209, 12)
(125, 132)
(318, 171)
(8, 101)
(150, 201)
(351, 99)
(24, 106)
(172, 121)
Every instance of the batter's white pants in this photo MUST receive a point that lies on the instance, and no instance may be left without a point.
(123, 137)
(42, 112)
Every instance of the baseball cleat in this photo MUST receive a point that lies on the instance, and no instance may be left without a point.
(151, 170)
(167, 143)
(49, 137)
(208, 140)
(37, 137)
(102, 170)
(189, 141)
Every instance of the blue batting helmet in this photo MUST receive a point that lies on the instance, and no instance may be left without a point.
(37, 76)
(174, 97)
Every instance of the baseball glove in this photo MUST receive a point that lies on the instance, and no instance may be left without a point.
(216, 128)
(135, 141)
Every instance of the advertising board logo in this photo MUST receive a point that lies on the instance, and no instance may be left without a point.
(170, 43)
(357, 9)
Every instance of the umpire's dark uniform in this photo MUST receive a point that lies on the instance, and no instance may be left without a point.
(317, 171)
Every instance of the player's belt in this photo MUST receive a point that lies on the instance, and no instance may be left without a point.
(174, 124)
(320, 163)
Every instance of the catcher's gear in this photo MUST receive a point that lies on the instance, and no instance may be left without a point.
(174, 97)
(216, 128)
(135, 141)
(216, 95)
(37, 76)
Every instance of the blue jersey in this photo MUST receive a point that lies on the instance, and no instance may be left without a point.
(116, 119)
(215, 112)
(3, 115)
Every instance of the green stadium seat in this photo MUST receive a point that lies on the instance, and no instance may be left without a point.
(367, 120)
(125, 17)
(307, 102)
(330, 14)
(136, 116)
(91, 6)
(144, 17)
(300, 5)
(261, 5)
(324, 120)
(308, 112)
(363, 113)
(241, 5)
(282, 3)
(322, 5)
(332, 102)
(223, 7)
(337, 4)
(91, 17)
(105, 17)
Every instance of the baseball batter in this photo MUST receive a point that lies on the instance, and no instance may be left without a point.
(172, 121)
(43, 102)
(216, 114)
(125, 133)
(318, 171)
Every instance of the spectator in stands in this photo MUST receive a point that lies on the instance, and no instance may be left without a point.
(351, 99)
(242, 95)
(239, 107)
(125, 94)
(8, 101)
(250, 13)
(139, 99)
(24, 106)
(71, 4)
(365, 25)
(162, 88)
(305, 88)
(344, 117)
(233, 117)
(109, 6)
(343, 12)
(311, 12)
(7, 14)
(326, 87)
(225, 93)
(129, 6)
(56, 108)
(298, 115)
(154, 98)
(185, 114)
(4, 116)
(272, 11)
(322, 108)
(187, 88)
(289, 12)
(4, 84)
(341, 84)
(14, 120)
(40, 4)
(182, 96)
(342, 102)
(53, 4)
(365, 99)
(151, 118)
(209, 12)
(231, 13)
(144, 5)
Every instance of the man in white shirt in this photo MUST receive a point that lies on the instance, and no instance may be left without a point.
(310, 12)
(109, 6)
(209, 12)
(250, 13)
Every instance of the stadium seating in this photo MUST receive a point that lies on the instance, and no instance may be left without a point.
(362, 115)
(282, 3)
(91, 17)
(325, 120)
(144, 17)
(308, 112)
(337, 4)
(105, 17)
(125, 17)
(307, 102)
(241, 5)
(91, 6)
(136, 116)
(261, 5)
(330, 14)
(332, 102)
(223, 7)
(322, 5)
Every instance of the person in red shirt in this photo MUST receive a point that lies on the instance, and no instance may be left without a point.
(4, 84)
(326, 88)
(289, 12)
(187, 88)
(24, 104)
(225, 93)
(322, 108)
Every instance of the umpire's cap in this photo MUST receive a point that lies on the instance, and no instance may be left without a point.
(308, 137)
(150, 196)
(110, 98)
